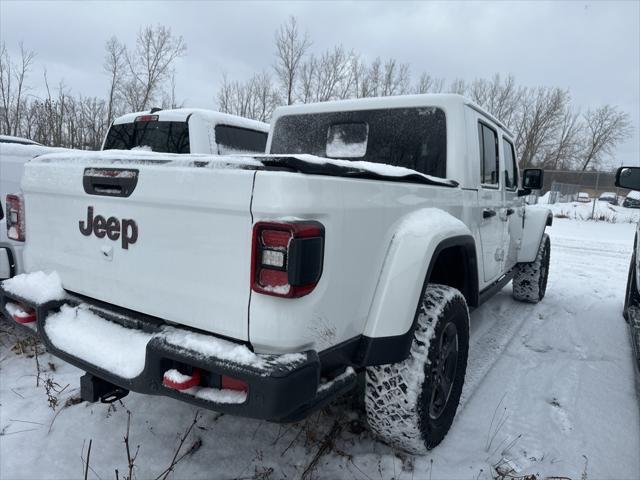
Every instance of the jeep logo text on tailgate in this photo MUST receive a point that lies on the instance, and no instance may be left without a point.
(110, 227)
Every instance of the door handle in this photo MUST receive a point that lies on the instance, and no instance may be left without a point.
(488, 213)
(510, 211)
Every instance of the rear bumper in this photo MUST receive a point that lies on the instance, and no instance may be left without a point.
(278, 389)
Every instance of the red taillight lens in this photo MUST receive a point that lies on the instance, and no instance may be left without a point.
(229, 383)
(146, 118)
(15, 218)
(287, 258)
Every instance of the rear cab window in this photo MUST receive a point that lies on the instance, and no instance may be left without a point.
(414, 138)
(149, 134)
(233, 140)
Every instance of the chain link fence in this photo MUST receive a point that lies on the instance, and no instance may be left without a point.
(562, 186)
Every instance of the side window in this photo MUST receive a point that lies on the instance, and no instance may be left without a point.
(232, 140)
(510, 176)
(489, 166)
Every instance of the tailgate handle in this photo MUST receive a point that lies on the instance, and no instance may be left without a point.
(111, 182)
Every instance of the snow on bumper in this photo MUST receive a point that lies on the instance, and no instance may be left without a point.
(133, 352)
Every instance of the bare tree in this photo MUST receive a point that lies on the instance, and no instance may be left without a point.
(605, 128)
(150, 65)
(334, 75)
(114, 66)
(458, 86)
(308, 78)
(13, 88)
(541, 113)
(396, 78)
(291, 47)
(255, 99)
(567, 146)
(428, 84)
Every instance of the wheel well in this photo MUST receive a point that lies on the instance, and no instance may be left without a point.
(455, 266)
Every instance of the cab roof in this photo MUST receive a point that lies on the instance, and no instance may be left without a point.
(183, 114)
(443, 100)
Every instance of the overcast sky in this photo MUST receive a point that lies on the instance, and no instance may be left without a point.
(591, 48)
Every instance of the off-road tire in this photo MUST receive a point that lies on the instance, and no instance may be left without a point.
(530, 279)
(399, 398)
(631, 297)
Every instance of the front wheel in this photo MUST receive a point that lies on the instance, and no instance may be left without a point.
(631, 297)
(411, 405)
(530, 279)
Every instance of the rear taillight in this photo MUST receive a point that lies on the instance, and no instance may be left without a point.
(15, 218)
(287, 258)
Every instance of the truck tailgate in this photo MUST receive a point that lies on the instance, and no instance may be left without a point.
(177, 248)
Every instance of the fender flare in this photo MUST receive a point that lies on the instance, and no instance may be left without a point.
(535, 220)
(414, 248)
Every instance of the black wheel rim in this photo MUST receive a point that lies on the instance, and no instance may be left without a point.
(443, 370)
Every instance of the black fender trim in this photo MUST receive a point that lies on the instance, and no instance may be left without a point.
(394, 349)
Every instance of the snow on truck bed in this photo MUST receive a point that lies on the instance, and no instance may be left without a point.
(549, 390)
(119, 158)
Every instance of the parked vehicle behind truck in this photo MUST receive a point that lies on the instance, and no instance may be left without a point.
(14, 153)
(262, 286)
(184, 130)
(187, 130)
(629, 177)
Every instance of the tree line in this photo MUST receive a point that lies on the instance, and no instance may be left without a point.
(138, 77)
(550, 131)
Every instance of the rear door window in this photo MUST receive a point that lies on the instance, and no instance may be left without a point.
(510, 177)
(157, 136)
(489, 166)
(232, 140)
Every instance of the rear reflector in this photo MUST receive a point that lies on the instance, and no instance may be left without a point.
(287, 258)
(229, 383)
(15, 218)
(146, 118)
(20, 313)
(179, 381)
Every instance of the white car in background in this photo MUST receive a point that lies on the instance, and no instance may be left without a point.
(14, 153)
(609, 197)
(583, 197)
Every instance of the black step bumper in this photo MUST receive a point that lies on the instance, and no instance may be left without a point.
(280, 391)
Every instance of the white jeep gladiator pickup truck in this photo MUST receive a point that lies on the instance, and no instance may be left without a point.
(263, 286)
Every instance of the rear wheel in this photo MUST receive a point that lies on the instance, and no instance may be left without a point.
(411, 405)
(530, 279)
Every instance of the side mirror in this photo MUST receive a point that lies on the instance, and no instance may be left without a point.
(628, 177)
(532, 179)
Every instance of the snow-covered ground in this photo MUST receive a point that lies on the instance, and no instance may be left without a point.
(602, 211)
(550, 391)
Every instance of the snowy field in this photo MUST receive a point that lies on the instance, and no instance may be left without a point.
(602, 211)
(550, 391)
